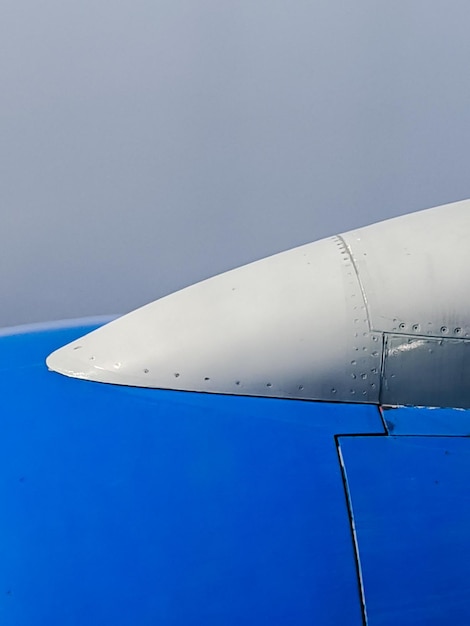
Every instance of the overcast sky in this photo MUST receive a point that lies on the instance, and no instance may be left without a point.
(148, 144)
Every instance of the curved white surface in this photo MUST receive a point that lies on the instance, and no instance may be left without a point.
(414, 271)
(331, 320)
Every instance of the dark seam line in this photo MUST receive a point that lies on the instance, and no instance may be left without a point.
(361, 287)
(360, 582)
(424, 436)
(384, 421)
(396, 333)
(382, 369)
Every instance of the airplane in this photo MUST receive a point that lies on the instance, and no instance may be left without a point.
(285, 443)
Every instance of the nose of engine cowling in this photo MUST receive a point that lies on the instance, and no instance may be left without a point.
(376, 315)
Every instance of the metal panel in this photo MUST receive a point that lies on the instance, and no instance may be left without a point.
(310, 323)
(293, 325)
(411, 508)
(427, 421)
(426, 371)
(414, 271)
(133, 506)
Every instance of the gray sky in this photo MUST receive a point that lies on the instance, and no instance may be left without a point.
(148, 144)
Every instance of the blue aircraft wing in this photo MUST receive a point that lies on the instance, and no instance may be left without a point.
(239, 452)
(140, 506)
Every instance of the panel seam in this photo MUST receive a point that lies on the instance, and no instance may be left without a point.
(352, 527)
(356, 271)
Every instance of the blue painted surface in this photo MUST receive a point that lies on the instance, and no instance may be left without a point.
(411, 503)
(28, 348)
(427, 421)
(130, 506)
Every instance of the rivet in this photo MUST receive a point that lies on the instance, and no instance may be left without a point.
(333, 390)
(364, 376)
(353, 362)
(77, 347)
(268, 385)
(206, 378)
(92, 358)
(237, 382)
(402, 326)
(146, 371)
(458, 330)
(177, 374)
(301, 387)
(415, 327)
(444, 329)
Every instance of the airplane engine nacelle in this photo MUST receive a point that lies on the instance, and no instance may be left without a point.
(376, 315)
(145, 502)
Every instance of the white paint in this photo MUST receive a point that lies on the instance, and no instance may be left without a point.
(308, 323)
(415, 271)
